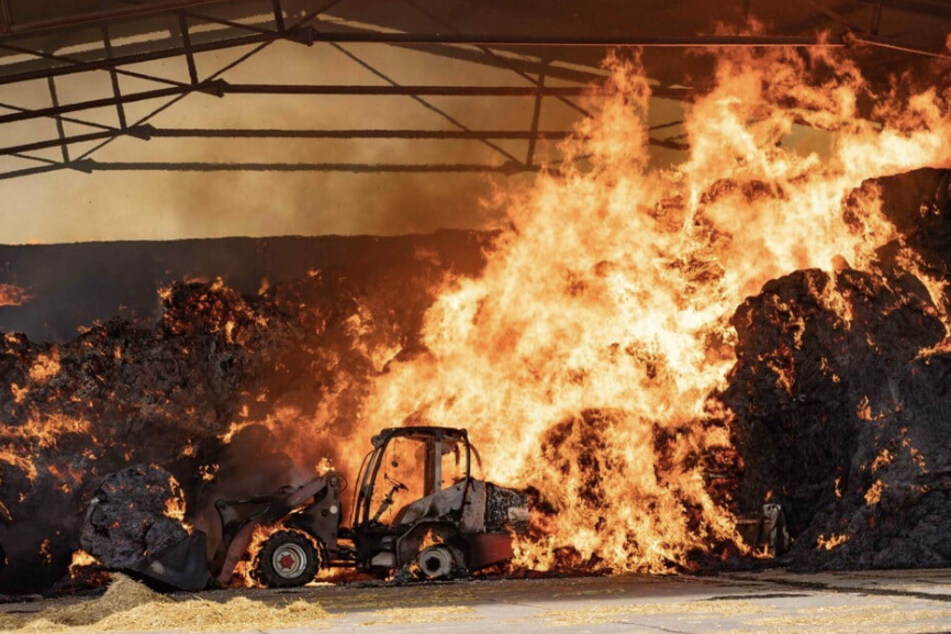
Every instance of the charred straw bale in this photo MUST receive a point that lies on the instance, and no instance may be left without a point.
(128, 517)
(840, 392)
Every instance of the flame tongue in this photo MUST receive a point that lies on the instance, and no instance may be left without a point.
(582, 359)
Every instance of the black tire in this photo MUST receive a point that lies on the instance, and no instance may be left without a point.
(288, 559)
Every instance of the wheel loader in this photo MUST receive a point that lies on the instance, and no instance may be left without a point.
(415, 506)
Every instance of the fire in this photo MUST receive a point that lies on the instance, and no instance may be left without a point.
(208, 472)
(242, 571)
(45, 367)
(833, 541)
(918, 459)
(81, 559)
(586, 359)
(883, 459)
(583, 360)
(45, 551)
(175, 509)
(13, 295)
(874, 493)
(430, 539)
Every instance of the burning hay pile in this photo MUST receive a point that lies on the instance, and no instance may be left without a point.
(223, 382)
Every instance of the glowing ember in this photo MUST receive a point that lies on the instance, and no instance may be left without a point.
(583, 359)
(13, 295)
(831, 542)
(883, 459)
(874, 493)
(45, 551)
(45, 367)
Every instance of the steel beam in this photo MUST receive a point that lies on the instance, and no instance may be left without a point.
(10, 106)
(407, 90)
(114, 77)
(71, 60)
(220, 88)
(309, 35)
(147, 132)
(32, 171)
(6, 17)
(60, 130)
(876, 18)
(511, 167)
(42, 145)
(278, 15)
(101, 103)
(136, 58)
(536, 115)
(189, 55)
(107, 15)
(433, 91)
(596, 41)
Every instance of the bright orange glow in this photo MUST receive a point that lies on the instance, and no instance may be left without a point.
(583, 359)
(13, 295)
(45, 367)
(874, 493)
(81, 559)
(883, 459)
(833, 541)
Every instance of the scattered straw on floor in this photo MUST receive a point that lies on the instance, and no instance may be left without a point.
(396, 616)
(610, 613)
(131, 606)
(908, 616)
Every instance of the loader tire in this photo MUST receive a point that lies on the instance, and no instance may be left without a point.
(288, 559)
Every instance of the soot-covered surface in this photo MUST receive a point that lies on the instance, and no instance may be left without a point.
(841, 392)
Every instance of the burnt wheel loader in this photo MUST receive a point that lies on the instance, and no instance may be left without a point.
(415, 506)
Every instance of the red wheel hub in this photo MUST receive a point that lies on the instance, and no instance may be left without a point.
(287, 561)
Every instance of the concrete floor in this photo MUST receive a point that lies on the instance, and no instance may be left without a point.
(773, 601)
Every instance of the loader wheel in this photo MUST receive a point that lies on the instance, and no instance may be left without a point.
(438, 562)
(287, 560)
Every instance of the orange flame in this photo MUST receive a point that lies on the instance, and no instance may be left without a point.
(81, 559)
(611, 291)
(45, 367)
(832, 541)
(13, 295)
(874, 493)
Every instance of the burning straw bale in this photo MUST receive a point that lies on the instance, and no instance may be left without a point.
(175, 395)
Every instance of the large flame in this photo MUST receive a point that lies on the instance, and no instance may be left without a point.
(582, 361)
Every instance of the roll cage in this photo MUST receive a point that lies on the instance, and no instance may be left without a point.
(437, 442)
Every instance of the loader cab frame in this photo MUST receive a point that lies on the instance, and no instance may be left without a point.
(436, 442)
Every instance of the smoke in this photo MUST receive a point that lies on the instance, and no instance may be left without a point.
(73, 206)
